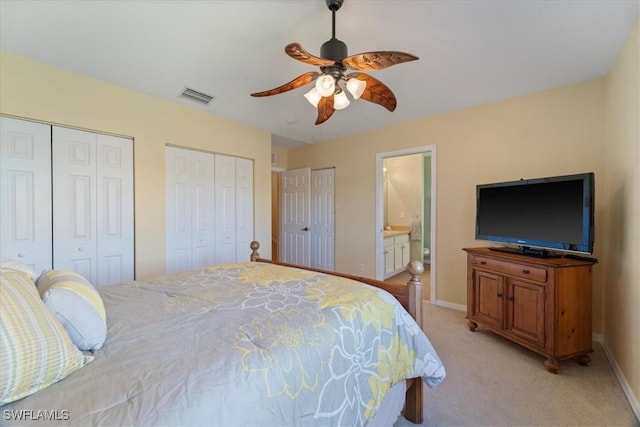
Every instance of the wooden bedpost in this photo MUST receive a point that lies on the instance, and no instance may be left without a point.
(413, 403)
(415, 269)
(254, 251)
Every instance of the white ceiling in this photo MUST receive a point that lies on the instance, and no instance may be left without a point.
(471, 52)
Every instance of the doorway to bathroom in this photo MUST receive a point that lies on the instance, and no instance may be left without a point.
(405, 214)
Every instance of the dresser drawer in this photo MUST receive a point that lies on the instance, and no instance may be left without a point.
(519, 270)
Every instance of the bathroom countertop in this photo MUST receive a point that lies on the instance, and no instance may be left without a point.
(396, 231)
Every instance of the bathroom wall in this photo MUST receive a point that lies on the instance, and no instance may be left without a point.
(404, 201)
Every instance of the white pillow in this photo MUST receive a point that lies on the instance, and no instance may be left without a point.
(77, 305)
(35, 350)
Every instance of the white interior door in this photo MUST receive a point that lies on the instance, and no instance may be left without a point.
(114, 204)
(225, 210)
(322, 219)
(25, 192)
(93, 205)
(244, 208)
(190, 190)
(74, 202)
(295, 215)
(178, 209)
(203, 222)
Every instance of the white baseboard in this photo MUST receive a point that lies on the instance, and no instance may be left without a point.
(633, 400)
(447, 304)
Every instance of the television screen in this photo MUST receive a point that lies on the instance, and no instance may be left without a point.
(549, 213)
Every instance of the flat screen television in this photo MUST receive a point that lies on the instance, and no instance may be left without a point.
(538, 216)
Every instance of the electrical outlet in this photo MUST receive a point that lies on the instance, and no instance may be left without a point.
(361, 267)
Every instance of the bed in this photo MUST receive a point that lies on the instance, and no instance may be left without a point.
(252, 343)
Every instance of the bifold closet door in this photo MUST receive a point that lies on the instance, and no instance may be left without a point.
(93, 205)
(190, 236)
(25, 192)
(234, 208)
(244, 208)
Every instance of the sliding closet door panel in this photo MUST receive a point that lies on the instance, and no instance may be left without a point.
(225, 210)
(74, 202)
(25, 192)
(244, 208)
(178, 193)
(203, 230)
(114, 201)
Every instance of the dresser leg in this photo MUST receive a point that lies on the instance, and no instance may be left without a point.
(552, 365)
(472, 325)
(584, 360)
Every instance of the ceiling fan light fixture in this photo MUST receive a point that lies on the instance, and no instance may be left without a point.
(326, 85)
(313, 97)
(356, 87)
(340, 101)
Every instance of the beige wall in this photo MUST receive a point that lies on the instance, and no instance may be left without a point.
(550, 133)
(621, 223)
(40, 92)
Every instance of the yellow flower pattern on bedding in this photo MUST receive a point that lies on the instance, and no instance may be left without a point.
(306, 335)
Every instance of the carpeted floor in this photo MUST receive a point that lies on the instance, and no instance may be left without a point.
(494, 382)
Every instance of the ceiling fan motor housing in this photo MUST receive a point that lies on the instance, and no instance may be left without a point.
(334, 49)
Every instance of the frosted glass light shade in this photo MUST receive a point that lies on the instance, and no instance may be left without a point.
(340, 101)
(356, 87)
(325, 85)
(313, 97)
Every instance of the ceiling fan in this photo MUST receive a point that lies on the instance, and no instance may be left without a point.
(328, 95)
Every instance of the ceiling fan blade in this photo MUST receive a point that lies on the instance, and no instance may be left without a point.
(299, 81)
(377, 60)
(325, 109)
(376, 91)
(296, 51)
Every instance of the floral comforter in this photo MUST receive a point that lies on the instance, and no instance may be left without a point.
(243, 344)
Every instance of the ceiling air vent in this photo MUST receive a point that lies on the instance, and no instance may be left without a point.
(196, 96)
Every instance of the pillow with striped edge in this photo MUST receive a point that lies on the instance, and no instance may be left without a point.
(9, 265)
(35, 350)
(78, 306)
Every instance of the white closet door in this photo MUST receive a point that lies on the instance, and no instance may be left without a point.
(92, 200)
(244, 208)
(178, 194)
(225, 209)
(74, 207)
(114, 199)
(25, 192)
(202, 220)
(190, 205)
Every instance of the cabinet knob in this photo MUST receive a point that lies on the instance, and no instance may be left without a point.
(525, 271)
(483, 262)
(21, 254)
(81, 249)
(500, 295)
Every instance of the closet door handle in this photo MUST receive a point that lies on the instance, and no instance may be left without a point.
(81, 249)
(305, 229)
(21, 254)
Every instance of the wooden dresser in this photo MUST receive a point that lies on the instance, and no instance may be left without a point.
(543, 304)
